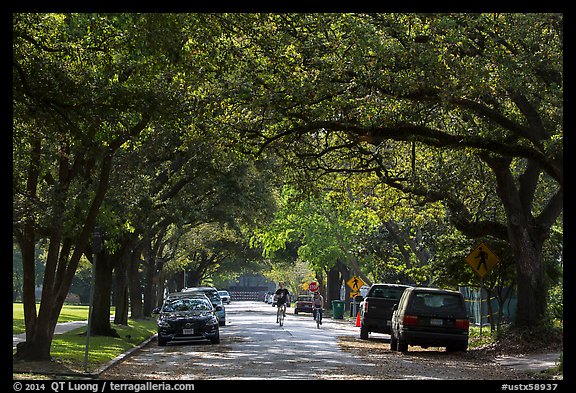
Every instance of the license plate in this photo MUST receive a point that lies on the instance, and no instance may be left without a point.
(187, 331)
(435, 322)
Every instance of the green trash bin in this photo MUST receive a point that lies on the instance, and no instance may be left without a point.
(338, 309)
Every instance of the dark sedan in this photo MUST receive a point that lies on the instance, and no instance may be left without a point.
(303, 304)
(187, 317)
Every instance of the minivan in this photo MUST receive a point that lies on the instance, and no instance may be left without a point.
(430, 317)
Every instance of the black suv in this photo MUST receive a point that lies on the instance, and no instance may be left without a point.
(430, 317)
(187, 316)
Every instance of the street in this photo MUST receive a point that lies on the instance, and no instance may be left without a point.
(254, 347)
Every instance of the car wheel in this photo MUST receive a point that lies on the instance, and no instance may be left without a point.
(393, 342)
(161, 342)
(363, 332)
(401, 345)
(295, 312)
(222, 323)
(215, 340)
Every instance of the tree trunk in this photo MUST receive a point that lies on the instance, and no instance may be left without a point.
(121, 292)
(134, 288)
(334, 283)
(531, 275)
(526, 238)
(344, 277)
(102, 290)
(149, 287)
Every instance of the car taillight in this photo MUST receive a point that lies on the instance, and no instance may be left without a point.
(365, 305)
(410, 320)
(462, 323)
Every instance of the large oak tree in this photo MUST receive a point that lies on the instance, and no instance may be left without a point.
(349, 92)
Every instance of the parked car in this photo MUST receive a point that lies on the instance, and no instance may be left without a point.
(303, 304)
(225, 296)
(430, 317)
(376, 308)
(212, 294)
(267, 297)
(187, 316)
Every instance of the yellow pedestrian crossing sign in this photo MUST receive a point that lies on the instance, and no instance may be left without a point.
(355, 283)
(482, 259)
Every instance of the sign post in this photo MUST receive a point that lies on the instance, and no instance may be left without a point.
(96, 249)
(355, 283)
(482, 260)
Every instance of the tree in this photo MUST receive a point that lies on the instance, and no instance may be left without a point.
(351, 89)
(80, 92)
(324, 229)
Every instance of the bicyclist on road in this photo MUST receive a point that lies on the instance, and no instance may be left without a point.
(317, 302)
(282, 295)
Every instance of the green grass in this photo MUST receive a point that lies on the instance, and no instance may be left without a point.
(69, 313)
(69, 348)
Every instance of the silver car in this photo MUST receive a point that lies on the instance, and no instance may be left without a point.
(225, 296)
(212, 294)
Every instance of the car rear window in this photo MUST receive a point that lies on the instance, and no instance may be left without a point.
(387, 292)
(436, 302)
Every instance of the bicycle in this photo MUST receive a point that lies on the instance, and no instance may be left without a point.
(318, 316)
(280, 314)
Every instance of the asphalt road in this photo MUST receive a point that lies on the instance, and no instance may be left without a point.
(254, 347)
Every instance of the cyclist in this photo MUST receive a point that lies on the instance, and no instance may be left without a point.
(317, 302)
(282, 295)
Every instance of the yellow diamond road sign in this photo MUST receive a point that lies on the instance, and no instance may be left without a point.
(355, 283)
(482, 259)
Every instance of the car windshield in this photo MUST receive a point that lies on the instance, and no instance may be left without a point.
(304, 298)
(186, 304)
(387, 292)
(223, 293)
(211, 294)
(434, 302)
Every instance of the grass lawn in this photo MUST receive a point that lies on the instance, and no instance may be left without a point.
(68, 349)
(69, 313)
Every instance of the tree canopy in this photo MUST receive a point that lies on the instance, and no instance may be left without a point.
(414, 129)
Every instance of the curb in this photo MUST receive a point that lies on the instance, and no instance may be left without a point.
(94, 374)
(121, 357)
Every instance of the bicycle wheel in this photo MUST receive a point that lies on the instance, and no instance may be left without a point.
(281, 318)
(317, 319)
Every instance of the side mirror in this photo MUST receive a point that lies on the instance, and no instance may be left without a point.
(156, 311)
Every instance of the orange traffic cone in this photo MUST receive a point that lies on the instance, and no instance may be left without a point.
(358, 319)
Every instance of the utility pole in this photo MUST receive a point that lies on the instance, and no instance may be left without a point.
(96, 249)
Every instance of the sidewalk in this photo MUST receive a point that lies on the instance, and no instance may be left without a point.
(533, 362)
(60, 328)
(530, 362)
